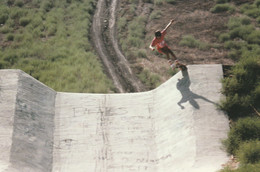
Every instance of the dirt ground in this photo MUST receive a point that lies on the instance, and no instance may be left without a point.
(191, 18)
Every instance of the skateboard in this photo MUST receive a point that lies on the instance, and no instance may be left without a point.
(177, 64)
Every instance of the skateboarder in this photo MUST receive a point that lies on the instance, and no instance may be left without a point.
(162, 47)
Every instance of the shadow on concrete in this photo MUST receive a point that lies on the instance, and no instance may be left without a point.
(183, 86)
(33, 127)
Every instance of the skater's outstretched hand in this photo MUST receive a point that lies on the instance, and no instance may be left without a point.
(169, 24)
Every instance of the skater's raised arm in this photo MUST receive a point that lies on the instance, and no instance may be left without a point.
(169, 24)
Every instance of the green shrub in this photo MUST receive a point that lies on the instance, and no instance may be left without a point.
(10, 37)
(3, 18)
(149, 79)
(133, 1)
(24, 21)
(241, 32)
(253, 12)
(224, 37)
(10, 57)
(222, 8)
(4, 14)
(141, 53)
(171, 1)
(190, 41)
(249, 152)
(253, 37)
(132, 8)
(134, 41)
(155, 15)
(54, 46)
(158, 2)
(244, 130)
(36, 21)
(121, 24)
(238, 45)
(235, 22)
(136, 32)
(19, 3)
(240, 89)
(36, 3)
(148, 1)
(234, 55)
(9, 2)
(47, 5)
(258, 20)
(5, 29)
(4, 64)
(51, 30)
(257, 3)
(17, 13)
(222, 1)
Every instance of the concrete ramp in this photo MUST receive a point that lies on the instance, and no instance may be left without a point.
(173, 128)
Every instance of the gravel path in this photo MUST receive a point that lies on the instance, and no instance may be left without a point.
(105, 41)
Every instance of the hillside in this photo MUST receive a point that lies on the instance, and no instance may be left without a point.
(51, 40)
(192, 18)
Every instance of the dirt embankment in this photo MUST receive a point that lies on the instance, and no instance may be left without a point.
(105, 41)
(192, 18)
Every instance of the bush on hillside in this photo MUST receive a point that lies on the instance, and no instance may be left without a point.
(222, 1)
(253, 37)
(19, 3)
(257, 3)
(24, 21)
(244, 130)
(149, 79)
(10, 37)
(249, 152)
(3, 18)
(171, 1)
(190, 41)
(53, 45)
(47, 5)
(242, 32)
(158, 2)
(251, 10)
(234, 22)
(219, 8)
(224, 37)
(240, 89)
(155, 15)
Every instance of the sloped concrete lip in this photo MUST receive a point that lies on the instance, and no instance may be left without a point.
(175, 127)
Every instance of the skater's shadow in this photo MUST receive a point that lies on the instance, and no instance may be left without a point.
(183, 86)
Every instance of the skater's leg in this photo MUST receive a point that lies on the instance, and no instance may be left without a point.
(165, 51)
(172, 54)
(168, 56)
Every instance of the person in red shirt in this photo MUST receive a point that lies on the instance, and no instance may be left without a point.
(160, 44)
(162, 47)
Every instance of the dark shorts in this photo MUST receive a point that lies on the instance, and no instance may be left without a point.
(164, 50)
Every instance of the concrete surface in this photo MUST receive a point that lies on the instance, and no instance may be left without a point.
(173, 128)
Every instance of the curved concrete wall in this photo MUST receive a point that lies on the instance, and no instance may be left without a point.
(30, 123)
(175, 127)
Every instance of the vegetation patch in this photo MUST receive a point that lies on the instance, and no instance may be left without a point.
(219, 8)
(49, 40)
(242, 88)
(190, 41)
